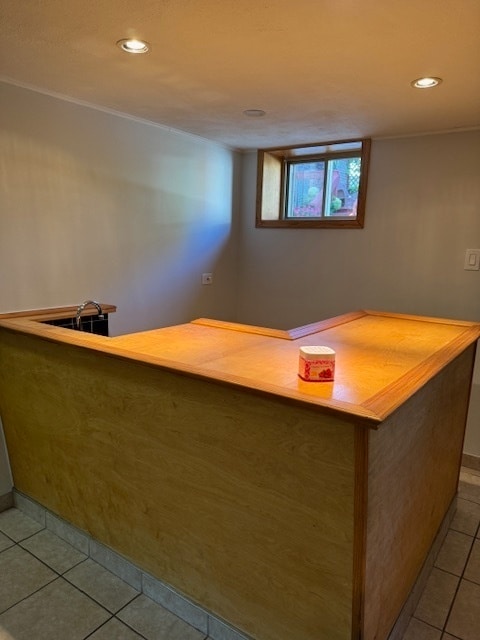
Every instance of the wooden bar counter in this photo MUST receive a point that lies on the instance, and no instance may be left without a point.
(293, 510)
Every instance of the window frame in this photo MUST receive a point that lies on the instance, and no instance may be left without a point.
(272, 168)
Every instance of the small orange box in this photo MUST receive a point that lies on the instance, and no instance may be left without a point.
(316, 364)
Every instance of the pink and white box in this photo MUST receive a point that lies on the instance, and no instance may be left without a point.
(316, 364)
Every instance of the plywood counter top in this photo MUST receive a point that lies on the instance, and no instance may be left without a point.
(381, 359)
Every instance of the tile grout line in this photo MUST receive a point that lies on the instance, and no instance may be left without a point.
(97, 628)
(54, 579)
(91, 597)
(65, 579)
(114, 617)
(57, 577)
(460, 578)
(61, 575)
(444, 629)
(126, 623)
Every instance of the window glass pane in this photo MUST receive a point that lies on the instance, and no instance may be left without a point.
(305, 189)
(317, 150)
(344, 183)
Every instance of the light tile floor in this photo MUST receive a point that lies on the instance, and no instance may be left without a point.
(449, 607)
(51, 591)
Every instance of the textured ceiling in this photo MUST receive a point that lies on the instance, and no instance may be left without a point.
(321, 69)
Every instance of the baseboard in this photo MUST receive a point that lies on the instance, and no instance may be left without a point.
(472, 462)
(6, 501)
(413, 599)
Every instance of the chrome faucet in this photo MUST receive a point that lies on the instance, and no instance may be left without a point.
(80, 309)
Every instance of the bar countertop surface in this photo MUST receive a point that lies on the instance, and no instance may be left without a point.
(381, 358)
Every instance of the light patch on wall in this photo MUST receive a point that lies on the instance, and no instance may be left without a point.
(192, 189)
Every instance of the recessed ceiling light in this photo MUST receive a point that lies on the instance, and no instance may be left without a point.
(254, 113)
(131, 45)
(426, 83)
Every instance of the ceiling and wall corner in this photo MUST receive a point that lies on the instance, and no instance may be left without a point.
(320, 69)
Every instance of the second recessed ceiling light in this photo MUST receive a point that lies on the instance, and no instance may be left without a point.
(426, 83)
(131, 45)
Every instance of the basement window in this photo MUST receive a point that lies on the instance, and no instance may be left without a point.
(315, 185)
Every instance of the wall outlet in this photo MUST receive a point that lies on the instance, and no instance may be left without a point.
(472, 260)
(207, 278)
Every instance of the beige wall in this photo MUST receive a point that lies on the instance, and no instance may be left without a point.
(95, 205)
(423, 211)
